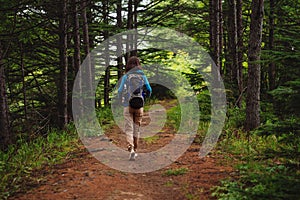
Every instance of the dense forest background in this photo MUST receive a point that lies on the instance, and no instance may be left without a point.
(255, 45)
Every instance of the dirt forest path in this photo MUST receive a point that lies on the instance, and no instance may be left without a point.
(84, 177)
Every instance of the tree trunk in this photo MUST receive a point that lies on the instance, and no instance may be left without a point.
(23, 82)
(119, 39)
(77, 57)
(5, 135)
(235, 43)
(215, 24)
(240, 46)
(232, 41)
(135, 21)
(63, 84)
(106, 84)
(129, 43)
(220, 34)
(130, 15)
(272, 66)
(85, 27)
(76, 36)
(211, 26)
(87, 75)
(254, 71)
(107, 70)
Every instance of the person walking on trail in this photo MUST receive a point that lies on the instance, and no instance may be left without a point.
(133, 90)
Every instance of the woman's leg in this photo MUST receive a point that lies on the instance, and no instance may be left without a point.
(137, 119)
(128, 119)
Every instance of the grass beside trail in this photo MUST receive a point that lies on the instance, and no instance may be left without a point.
(20, 160)
(267, 165)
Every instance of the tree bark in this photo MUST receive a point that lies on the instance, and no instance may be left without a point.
(63, 84)
(77, 56)
(240, 46)
(85, 27)
(107, 70)
(87, 75)
(235, 45)
(254, 71)
(215, 28)
(76, 36)
(135, 26)
(232, 40)
(129, 43)
(119, 39)
(220, 34)
(5, 135)
(23, 82)
(86, 43)
(130, 14)
(272, 66)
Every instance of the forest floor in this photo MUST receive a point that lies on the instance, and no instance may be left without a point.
(82, 176)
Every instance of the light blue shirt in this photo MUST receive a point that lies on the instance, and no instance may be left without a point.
(124, 78)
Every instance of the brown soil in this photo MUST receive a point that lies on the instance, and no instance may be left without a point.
(84, 177)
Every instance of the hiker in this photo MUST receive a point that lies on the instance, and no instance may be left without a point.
(132, 94)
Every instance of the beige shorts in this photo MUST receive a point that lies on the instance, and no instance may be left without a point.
(133, 120)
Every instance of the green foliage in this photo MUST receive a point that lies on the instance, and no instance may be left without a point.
(291, 125)
(29, 38)
(176, 172)
(196, 80)
(260, 182)
(286, 98)
(204, 105)
(152, 139)
(105, 117)
(267, 165)
(18, 163)
(236, 117)
(174, 117)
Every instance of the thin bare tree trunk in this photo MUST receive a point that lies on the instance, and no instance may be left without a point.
(272, 66)
(232, 40)
(63, 84)
(215, 31)
(77, 57)
(76, 36)
(107, 70)
(86, 40)
(240, 46)
(23, 81)
(220, 34)
(88, 68)
(129, 43)
(88, 72)
(119, 39)
(5, 135)
(235, 43)
(135, 21)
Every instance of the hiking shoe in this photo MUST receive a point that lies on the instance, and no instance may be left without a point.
(132, 155)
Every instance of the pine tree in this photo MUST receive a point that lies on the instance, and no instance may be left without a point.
(253, 84)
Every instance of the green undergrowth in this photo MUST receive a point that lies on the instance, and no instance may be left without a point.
(176, 172)
(266, 162)
(174, 117)
(105, 117)
(151, 139)
(20, 160)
